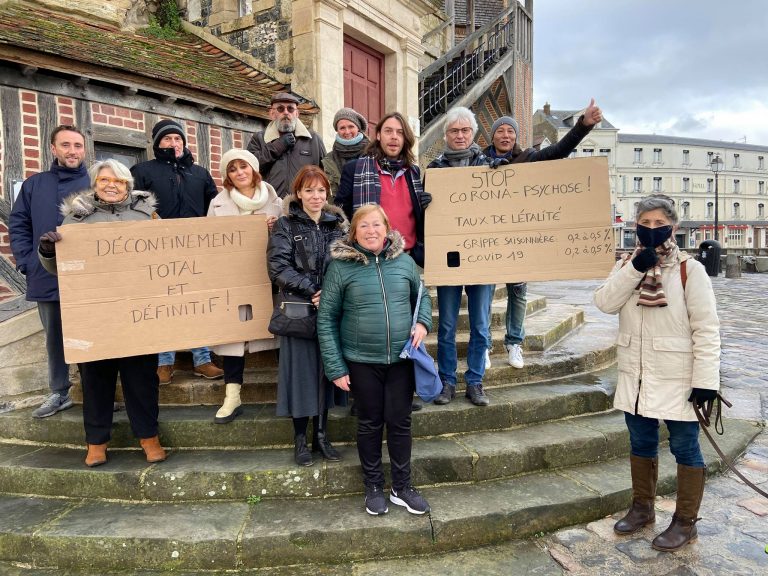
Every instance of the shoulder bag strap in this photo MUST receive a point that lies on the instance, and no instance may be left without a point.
(299, 239)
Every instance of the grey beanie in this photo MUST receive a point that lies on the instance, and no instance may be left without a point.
(353, 116)
(165, 127)
(509, 121)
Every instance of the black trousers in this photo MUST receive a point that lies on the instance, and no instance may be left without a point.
(383, 395)
(138, 375)
(234, 368)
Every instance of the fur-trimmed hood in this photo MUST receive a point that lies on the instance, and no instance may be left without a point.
(343, 249)
(82, 204)
(292, 207)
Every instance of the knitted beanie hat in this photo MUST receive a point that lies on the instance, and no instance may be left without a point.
(509, 121)
(165, 127)
(353, 116)
(237, 154)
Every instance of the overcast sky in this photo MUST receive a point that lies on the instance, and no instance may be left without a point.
(696, 68)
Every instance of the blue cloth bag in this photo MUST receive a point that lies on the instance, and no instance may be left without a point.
(428, 384)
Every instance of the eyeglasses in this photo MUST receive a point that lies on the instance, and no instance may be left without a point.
(457, 131)
(104, 181)
(281, 108)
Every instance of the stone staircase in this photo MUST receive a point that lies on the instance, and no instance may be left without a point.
(547, 452)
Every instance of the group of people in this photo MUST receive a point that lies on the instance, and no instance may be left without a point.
(346, 232)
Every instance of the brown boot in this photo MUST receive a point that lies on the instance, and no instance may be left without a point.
(97, 455)
(645, 474)
(152, 449)
(209, 370)
(682, 530)
(165, 373)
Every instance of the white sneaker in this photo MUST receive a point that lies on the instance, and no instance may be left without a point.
(515, 355)
(487, 359)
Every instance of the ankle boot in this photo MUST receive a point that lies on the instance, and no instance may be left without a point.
(97, 455)
(231, 408)
(301, 452)
(320, 443)
(152, 449)
(682, 530)
(645, 474)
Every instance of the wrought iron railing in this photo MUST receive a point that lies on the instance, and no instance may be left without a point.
(447, 78)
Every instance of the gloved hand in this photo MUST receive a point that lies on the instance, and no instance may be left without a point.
(48, 243)
(645, 260)
(700, 396)
(288, 139)
(496, 162)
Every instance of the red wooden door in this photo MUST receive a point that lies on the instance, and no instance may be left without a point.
(364, 81)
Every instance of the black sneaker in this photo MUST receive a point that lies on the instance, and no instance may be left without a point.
(415, 405)
(448, 394)
(409, 497)
(375, 501)
(477, 396)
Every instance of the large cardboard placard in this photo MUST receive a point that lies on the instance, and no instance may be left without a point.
(536, 221)
(131, 288)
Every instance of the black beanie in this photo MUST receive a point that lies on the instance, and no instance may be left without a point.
(165, 127)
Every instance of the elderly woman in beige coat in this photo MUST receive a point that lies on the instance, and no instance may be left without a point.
(244, 193)
(669, 358)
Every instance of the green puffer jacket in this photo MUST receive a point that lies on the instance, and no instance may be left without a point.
(366, 307)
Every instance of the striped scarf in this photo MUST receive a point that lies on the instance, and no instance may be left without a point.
(651, 290)
(366, 186)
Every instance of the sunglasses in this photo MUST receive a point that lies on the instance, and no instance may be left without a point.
(104, 181)
(282, 108)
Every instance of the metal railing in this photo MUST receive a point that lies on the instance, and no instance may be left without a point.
(450, 76)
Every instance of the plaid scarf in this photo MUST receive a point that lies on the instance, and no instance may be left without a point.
(651, 290)
(366, 186)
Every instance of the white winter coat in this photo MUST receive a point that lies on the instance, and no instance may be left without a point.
(663, 352)
(223, 205)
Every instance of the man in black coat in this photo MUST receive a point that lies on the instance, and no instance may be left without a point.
(183, 190)
(36, 211)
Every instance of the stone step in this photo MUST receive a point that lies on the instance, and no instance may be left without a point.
(193, 426)
(206, 475)
(95, 536)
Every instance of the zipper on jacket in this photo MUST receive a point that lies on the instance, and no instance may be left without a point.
(386, 309)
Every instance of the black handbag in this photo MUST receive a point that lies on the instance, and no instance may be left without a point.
(294, 315)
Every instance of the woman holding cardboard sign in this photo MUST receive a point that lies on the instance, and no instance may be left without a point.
(298, 254)
(244, 193)
(112, 199)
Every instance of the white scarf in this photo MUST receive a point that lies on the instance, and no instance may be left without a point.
(249, 205)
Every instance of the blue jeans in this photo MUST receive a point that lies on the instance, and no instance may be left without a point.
(478, 304)
(516, 306)
(199, 356)
(683, 439)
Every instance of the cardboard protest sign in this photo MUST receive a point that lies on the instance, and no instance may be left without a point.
(130, 288)
(520, 222)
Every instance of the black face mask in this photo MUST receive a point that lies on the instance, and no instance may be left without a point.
(653, 237)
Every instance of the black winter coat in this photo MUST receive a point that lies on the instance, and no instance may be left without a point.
(182, 188)
(284, 263)
(557, 151)
(477, 159)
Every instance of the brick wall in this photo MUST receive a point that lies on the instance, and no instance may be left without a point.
(30, 129)
(65, 110)
(107, 115)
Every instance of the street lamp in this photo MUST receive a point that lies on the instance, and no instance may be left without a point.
(716, 166)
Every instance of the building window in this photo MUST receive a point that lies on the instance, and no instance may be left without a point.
(736, 210)
(761, 187)
(588, 151)
(686, 184)
(736, 161)
(710, 185)
(736, 186)
(656, 184)
(735, 237)
(686, 157)
(124, 154)
(638, 155)
(686, 208)
(572, 154)
(605, 151)
(638, 187)
(657, 155)
(710, 209)
(710, 157)
(761, 210)
(761, 163)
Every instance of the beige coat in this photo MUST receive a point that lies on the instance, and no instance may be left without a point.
(663, 352)
(223, 205)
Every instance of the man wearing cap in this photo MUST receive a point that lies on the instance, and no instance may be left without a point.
(183, 190)
(350, 142)
(286, 145)
(504, 149)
